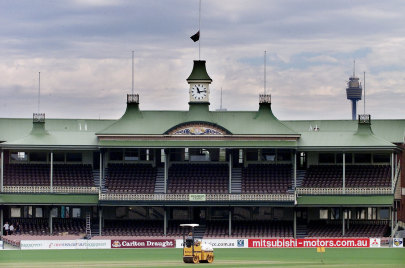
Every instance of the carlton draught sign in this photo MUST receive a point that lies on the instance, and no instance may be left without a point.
(144, 243)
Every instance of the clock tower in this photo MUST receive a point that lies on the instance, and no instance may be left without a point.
(199, 82)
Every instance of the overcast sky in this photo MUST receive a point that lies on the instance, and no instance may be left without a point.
(83, 50)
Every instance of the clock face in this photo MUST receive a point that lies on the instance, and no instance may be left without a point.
(199, 91)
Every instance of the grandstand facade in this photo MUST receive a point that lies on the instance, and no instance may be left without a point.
(236, 173)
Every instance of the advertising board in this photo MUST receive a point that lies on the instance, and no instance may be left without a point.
(397, 242)
(310, 243)
(1, 245)
(220, 243)
(144, 243)
(65, 244)
(375, 242)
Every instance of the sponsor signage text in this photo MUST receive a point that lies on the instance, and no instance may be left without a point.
(310, 243)
(197, 197)
(65, 244)
(144, 243)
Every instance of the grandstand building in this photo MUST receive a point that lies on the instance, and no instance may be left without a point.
(236, 173)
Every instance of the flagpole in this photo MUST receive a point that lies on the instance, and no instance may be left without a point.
(132, 72)
(199, 29)
(264, 86)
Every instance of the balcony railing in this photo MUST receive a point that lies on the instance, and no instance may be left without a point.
(47, 189)
(347, 191)
(208, 197)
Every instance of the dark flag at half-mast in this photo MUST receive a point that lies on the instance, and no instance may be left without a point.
(196, 37)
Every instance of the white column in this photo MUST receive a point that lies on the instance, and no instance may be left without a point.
(295, 223)
(344, 173)
(343, 221)
(100, 220)
(101, 172)
(392, 172)
(50, 221)
(295, 170)
(230, 222)
(392, 220)
(51, 173)
(1, 221)
(230, 173)
(166, 171)
(165, 221)
(2, 174)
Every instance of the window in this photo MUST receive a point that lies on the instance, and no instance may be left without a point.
(186, 154)
(116, 156)
(326, 158)
(38, 213)
(283, 155)
(335, 214)
(38, 157)
(240, 156)
(323, 214)
(348, 156)
(162, 155)
(268, 155)
(19, 156)
(58, 157)
(372, 213)
(76, 213)
(199, 155)
(131, 155)
(362, 158)
(251, 155)
(73, 157)
(144, 154)
(384, 214)
(54, 212)
(381, 158)
(15, 212)
(222, 154)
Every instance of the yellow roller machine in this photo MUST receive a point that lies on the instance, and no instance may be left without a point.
(193, 250)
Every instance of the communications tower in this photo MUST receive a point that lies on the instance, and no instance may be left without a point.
(353, 92)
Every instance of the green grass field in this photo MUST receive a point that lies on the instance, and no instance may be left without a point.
(382, 257)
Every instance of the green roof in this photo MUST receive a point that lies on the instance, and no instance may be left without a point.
(332, 134)
(57, 199)
(392, 130)
(137, 122)
(199, 72)
(345, 200)
(344, 140)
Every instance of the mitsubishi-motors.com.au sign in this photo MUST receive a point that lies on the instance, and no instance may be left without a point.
(313, 243)
(144, 243)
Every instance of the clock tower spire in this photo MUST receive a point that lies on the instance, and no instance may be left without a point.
(199, 82)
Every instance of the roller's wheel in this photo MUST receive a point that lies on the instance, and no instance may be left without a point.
(196, 259)
(210, 258)
(188, 259)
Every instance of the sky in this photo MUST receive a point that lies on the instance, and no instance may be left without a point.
(83, 50)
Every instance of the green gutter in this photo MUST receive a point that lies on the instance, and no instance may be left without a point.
(344, 200)
(48, 199)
